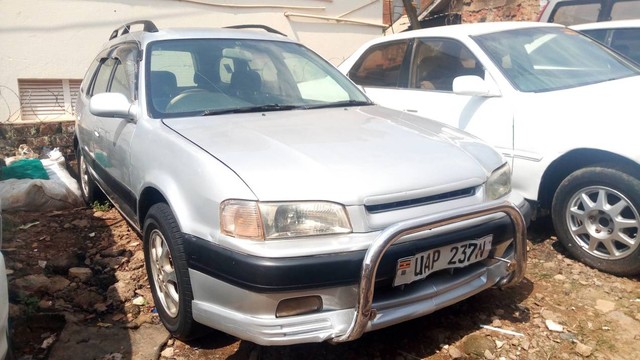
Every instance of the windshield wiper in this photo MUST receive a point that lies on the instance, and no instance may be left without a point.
(339, 104)
(250, 109)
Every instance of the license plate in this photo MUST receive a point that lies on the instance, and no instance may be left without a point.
(419, 266)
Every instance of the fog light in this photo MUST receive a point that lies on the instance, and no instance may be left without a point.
(299, 306)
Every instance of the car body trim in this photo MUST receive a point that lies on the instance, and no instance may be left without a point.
(260, 274)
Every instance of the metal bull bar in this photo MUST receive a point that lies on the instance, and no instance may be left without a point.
(363, 311)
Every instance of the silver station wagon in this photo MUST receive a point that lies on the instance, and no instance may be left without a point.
(275, 201)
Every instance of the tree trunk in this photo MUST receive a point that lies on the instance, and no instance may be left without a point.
(412, 14)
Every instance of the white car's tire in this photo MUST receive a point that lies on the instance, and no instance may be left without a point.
(596, 214)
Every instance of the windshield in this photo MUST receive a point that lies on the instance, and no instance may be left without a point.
(220, 76)
(545, 59)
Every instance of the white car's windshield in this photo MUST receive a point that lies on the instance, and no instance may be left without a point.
(545, 59)
(221, 76)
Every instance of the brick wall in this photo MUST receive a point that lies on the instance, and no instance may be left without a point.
(47, 135)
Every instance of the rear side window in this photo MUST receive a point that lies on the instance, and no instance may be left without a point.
(571, 13)
(623, 10)
(380, 65)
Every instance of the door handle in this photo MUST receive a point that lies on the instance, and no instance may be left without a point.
(96, 133)
(411, 110)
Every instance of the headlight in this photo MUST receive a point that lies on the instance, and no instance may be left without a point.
(271, 220)
(499, 183)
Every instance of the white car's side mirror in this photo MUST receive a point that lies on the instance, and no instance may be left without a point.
(472, 85)
(113, 105)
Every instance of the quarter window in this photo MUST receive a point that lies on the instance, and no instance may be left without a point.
(101, 82)
(380, 66)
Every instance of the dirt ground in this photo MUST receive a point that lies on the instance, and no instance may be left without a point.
(78, 290)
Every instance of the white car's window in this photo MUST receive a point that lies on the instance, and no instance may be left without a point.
(544, 59)
(436, 62)
(380, 65)
(241, 76)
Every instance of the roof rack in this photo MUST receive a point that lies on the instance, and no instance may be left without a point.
(255, 26)
(149, 26)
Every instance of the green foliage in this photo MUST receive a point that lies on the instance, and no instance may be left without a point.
(101, 206)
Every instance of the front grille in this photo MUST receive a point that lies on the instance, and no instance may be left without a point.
(451, 195)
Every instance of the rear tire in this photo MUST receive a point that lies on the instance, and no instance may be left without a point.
(168, 273)
(88, 187)
(596, 214)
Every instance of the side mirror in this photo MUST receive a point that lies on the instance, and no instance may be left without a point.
(472, 85)
(114, 105)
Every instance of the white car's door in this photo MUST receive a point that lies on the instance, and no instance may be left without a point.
(423, 85)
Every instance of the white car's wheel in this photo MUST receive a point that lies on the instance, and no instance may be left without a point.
(596, 217)
(168, 272)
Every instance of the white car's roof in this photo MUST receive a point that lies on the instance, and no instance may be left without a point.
(463, 30)
(614, 24)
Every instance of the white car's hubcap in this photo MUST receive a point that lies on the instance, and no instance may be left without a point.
(603, 222)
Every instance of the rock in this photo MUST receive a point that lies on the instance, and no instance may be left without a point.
(499, 344)
(83, 223)
(560, 277)
(120, 291)
(57, 283)
(113, 356)
(496, 323)
(81, 273)
(112, 252)
(605, 306)
(476, 344)
(549, 265)
(488, 355)
(140, 301)
(60, 265)
(583, 350)
(549, 315)
(87, 299)
(168, 352)
(553, 326)
(45, 304)
(455, 353)
(31, 284)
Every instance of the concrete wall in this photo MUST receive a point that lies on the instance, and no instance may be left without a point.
(57, 39)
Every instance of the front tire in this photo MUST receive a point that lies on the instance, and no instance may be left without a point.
(167, 271)
(596, 214)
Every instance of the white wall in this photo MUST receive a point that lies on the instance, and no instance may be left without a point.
(57, 39)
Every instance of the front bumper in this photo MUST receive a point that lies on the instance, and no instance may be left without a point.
(351, 309)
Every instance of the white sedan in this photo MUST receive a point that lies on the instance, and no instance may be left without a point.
(561, 106)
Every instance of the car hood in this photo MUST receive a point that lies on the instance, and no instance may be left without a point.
(341, 154)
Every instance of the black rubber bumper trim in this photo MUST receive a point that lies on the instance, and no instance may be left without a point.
(260, 274)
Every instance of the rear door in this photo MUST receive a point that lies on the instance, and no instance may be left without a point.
(109, 139)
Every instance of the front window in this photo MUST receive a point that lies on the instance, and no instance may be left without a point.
(218, 76)
(545, 59)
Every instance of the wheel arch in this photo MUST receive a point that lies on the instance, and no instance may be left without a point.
(574, 160)
(148, 197)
